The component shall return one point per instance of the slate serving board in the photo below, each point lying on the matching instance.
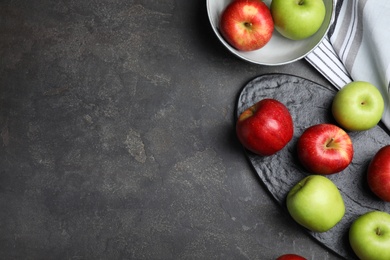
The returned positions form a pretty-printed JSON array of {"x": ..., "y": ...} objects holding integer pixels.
[{"x": 309, "y": 104}]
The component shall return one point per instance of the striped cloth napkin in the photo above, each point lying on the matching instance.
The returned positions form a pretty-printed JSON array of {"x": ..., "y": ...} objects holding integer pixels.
[{"x": 357, "y": 47}]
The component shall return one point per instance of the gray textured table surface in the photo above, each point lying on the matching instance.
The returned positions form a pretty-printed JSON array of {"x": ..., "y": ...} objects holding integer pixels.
[{"x": 117, "y": 137}]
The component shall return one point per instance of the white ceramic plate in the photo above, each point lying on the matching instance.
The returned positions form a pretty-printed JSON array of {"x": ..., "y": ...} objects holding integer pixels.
[{"x": 279, "y": 50}]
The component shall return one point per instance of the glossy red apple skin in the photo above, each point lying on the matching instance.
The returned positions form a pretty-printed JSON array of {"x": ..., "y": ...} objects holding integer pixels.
[
  {"x": 378, "y": 173},
  {"x": 266, "y": 127},
  {"x": 325, "y": 149},
  {"x": 291, "y": 257},
  {"x": 247, "y": 25}
]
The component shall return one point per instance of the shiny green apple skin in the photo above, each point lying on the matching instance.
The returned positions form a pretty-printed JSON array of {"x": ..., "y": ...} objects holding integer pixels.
[
  {"x": 297, "y": 19},
  {"x": 369, "y": 236},
  {"x": 358, "y": 106},
  {"x": 316, "y": 203}
]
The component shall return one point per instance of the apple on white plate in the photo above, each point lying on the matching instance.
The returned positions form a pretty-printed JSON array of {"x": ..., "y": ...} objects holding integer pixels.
[
  {"x": 358, "y": 106},
  {"x": 279, "y": 50},
  {"x": 325, "y": 149},
  {"x": 369, "y": 236},
  {"x": 246, "y": 24},
  {"x": 316, "y": 203},
  {"x": 298, "y": 19}
]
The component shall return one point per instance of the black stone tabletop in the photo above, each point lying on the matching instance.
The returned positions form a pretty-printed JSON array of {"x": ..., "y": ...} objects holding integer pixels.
[{"x": 117, "y": 137}]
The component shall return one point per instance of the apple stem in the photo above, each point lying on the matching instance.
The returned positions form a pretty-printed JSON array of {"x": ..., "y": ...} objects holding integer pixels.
[
  {"x": 248, "y": 24},
  {"x": 301, "y": 2},
  {"x": 378, "y": 232},
  {"x": 328, "y": 144}
]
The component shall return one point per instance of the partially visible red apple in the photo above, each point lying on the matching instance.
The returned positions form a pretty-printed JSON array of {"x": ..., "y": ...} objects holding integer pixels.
[
  {"x": 378, "y": 173},
  {"x": 266, "y": 127},
  {"x": 325, "y": 149},
  {"x": 247, "y": 25},
  {"x": 290, "y": 257}
]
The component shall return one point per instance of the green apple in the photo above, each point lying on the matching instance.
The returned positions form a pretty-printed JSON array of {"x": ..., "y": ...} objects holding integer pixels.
[
  {"x": 297, "y": 19},
  {"x": 369, "y": 236},
  {"x": 316, "y": 203},
  {"x": 358, "y": 106}
]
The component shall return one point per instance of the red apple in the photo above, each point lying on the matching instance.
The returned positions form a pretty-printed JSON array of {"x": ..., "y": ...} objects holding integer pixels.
[
  {"x": 266, "y": 127},
  {"x": 378, "y": 173},
  {"x": 290, "y": 257},
  {"x": 325, "y": 149},
  {"x": 247, "y": 25}
]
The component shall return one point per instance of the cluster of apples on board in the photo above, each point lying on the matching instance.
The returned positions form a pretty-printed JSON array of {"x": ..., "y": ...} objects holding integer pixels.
[
  {"x": 248, "y": 25},
  {"x": 315, "y": 202}
]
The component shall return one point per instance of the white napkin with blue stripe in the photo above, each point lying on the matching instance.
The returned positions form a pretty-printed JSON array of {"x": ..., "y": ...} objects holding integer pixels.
[{"x": 357, "y": 47}]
